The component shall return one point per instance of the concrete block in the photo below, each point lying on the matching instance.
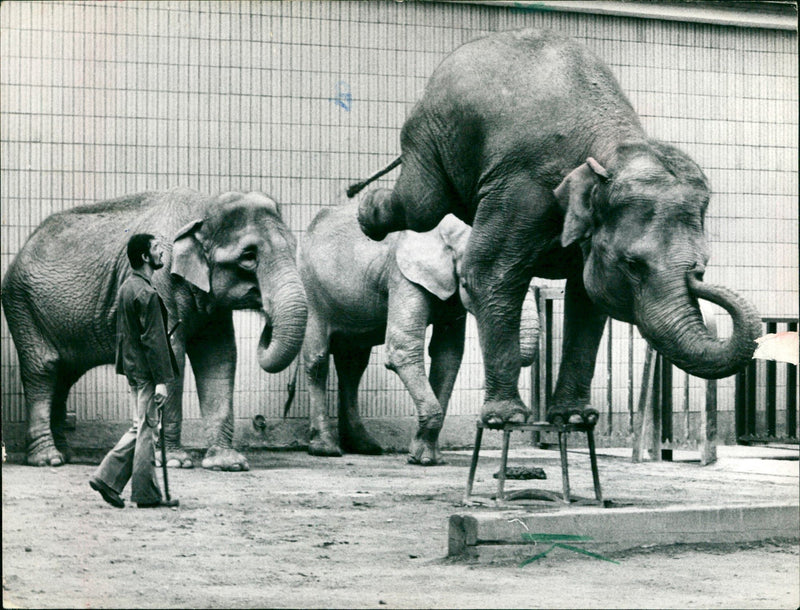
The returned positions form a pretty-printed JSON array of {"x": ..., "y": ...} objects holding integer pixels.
[{"x": 496, "y": 534}]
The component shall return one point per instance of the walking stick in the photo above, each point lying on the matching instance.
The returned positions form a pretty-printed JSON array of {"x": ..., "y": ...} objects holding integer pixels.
[{"x": 163, "y": 459}]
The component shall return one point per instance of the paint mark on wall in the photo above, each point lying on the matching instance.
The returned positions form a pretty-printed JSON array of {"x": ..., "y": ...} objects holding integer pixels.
[{"x": 343, "y": 97}]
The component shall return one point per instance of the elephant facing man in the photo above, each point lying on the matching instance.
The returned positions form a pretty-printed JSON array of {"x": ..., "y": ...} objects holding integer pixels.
[{"x": 228, "y": 252}]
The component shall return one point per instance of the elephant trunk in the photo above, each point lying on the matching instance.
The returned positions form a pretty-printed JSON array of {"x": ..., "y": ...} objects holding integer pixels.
[
  {"x": 286, "y": 312},
  {"x": 672, "y": 323}
]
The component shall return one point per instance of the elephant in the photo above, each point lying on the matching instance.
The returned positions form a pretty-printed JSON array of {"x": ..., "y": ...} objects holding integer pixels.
[
  {"x": 527, "y": 136},
  {"x": 231, "y": 251},
  {"x": 363, "y": 293}
]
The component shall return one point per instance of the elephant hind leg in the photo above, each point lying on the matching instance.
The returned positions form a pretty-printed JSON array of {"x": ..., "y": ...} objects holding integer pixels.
[
  {"x": 351, "y": 361},
  {"x": 66, "y": 377},
  {"x": 39, "y": 369},
  {"x": 420, "y": 199}
]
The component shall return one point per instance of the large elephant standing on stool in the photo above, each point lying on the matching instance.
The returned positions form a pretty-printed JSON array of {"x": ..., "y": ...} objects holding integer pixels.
[
  {"x": 526, "y": 136},
  {"x": 362, "y": 293},
  {"x": 229, "y": 252}
]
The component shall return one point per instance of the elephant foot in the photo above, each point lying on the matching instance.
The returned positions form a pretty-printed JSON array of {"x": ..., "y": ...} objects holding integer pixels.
[
  {"x": 176, "y": 458},
  {"x": 225, "y": 459},
  {"x": 497, "y": 413},
  {"x": 46, "y": 455},
  {"x": 66, "y": 452},
  {"x": 359, "y": 441},
  {"x": 573, "y": 415},
  {"x": 424, "y": 452},
  {"x": 322, "y": 444}
]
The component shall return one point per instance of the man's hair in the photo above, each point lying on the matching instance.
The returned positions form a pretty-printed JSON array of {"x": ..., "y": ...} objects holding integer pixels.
[{"x": 138, "y": 245}]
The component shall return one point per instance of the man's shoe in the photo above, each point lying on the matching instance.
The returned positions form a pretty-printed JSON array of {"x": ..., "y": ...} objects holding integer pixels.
[
  {"x": 109, "y": 495},
  {"x": 159, "y": 504}
]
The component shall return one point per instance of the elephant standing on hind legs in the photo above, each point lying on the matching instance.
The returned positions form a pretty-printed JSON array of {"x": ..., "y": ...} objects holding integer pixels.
[
  {"x": 362, "y": 293},
  {"x": 527, "y": 136},
  {"x": 229, "y": 252}
]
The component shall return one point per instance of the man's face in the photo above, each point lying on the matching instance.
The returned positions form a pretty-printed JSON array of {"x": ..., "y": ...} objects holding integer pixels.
[{"x": 155, "y": 257}]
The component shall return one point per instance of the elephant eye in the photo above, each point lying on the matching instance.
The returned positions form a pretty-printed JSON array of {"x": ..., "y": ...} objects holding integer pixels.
[
  {"x": 636, "y": 266},
  {"x": 248, "y": 259}
]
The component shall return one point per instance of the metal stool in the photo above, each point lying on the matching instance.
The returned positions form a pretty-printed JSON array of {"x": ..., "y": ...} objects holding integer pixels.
[{"x": 563, "y": 431}]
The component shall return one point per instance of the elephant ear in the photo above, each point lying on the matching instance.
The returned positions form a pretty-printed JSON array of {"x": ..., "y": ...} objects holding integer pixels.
[
  {"x": 425, "y": 259},
  {"x": 188, "y": 258},
  {"x": 574, "y": 196},
  {"x": 455, "y": 234}
]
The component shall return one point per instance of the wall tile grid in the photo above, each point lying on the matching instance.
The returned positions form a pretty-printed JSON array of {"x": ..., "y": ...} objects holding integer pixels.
[{"x": 299, "y": 99}]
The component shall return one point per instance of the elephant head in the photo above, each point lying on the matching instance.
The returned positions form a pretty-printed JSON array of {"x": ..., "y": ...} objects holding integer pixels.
[
  {"x": 640, "y": 225},
  {"x": 243, "y": 255},
  {"x": 434, "y": 261}
]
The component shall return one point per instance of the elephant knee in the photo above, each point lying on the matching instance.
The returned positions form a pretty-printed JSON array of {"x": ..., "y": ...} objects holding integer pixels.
[
  {"x": 398, "y": 355},
  {"x": 316, "y": 366}
]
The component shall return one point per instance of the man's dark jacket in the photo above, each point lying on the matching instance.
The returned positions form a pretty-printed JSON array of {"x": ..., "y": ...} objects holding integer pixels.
[{"x": 144, "y": 354}]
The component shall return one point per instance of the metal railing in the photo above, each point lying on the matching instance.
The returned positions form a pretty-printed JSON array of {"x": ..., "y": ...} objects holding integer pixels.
[
  {"x": 750, "y": 393},
  {"x": 651, "y": 417}
]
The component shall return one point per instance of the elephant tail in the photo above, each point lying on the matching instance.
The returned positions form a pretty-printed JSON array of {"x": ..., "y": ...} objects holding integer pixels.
[
  {"x": 292, "y": 386},
  {"x": 356, "y": 188}
]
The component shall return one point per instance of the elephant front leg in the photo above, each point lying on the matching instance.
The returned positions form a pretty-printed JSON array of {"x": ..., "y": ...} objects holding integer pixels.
[
  {"x": 172, "y": 421},
  {"x": 172, "y": 412},
  {"x": 405, "y": 349},
  {"x": 316, "y": 363},
  {"x": 583, "y": 329},
  {"x": 213, "y": 357},
  {"x": 497, "y": 303},
  {"x": 446, "y": 350},
  {"x": 497, "y": 269}
]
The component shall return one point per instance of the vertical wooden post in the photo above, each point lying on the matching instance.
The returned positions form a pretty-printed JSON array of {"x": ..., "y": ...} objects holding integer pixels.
[
  {"x": 771, "y": 382},
  {"x": 658, "y": 377},
  {"x": 643, "y": 413},
  {"x": 791, "y": 394},
  {"x": 708, "y": 425},
  {"x": 666, "y": 401},
  {"x": 610, "y": 379},
  {"x": 630, "y": 377},
  {"x": 708, "y": 415},
  {"x": 750, "y": 401}
]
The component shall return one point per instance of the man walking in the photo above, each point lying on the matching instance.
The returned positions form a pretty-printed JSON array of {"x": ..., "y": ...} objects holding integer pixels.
[{"x": 145, "y": 357}]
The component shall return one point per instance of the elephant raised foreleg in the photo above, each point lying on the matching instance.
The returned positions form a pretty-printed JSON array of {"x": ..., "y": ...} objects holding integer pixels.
[
  {"x": 212, "y": 352},
  {"x": 446, "y": 350},
  {"x": 409, "y": 306}
]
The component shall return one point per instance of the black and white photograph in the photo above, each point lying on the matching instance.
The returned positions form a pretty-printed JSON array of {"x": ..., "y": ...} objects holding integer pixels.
[{"x": 400, "y": 303}]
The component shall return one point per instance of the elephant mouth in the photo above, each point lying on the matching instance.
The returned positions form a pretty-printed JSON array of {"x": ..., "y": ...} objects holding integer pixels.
[{"x": 252, "y": 298}]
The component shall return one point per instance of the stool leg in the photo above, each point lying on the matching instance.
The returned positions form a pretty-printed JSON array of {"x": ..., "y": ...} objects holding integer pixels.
[
  {"x": 562, "y": 445},
  {"x": 598, "y": 494},
  {"x": 501, "y": 476},
  {"x": 474, "y": 464}
]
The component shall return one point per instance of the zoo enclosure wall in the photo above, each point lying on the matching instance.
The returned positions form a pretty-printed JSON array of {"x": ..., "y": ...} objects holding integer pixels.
[{"x": 299, "y": 99}]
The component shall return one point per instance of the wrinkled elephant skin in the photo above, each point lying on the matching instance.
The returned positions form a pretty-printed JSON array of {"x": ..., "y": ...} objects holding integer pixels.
[
  {"x": 224, "y": 253},
  {"x": 527, "y": 136},
  {"x": 363, "y": 293}
]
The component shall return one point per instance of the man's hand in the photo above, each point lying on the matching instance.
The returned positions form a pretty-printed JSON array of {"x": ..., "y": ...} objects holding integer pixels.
[{"x": 160, "y": 393}]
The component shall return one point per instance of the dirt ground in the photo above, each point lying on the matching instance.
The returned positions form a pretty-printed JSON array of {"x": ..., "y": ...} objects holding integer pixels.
[{"x": 357, "y": 531}]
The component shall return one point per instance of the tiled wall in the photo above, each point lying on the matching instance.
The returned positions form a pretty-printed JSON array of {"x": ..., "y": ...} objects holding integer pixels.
[{"x": 298, "y": 99}]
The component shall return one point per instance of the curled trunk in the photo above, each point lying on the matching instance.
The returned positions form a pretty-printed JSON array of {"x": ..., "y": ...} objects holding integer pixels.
[
  {"x": 671, "y": 321},
  {"x": 284, "y": 303}
]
